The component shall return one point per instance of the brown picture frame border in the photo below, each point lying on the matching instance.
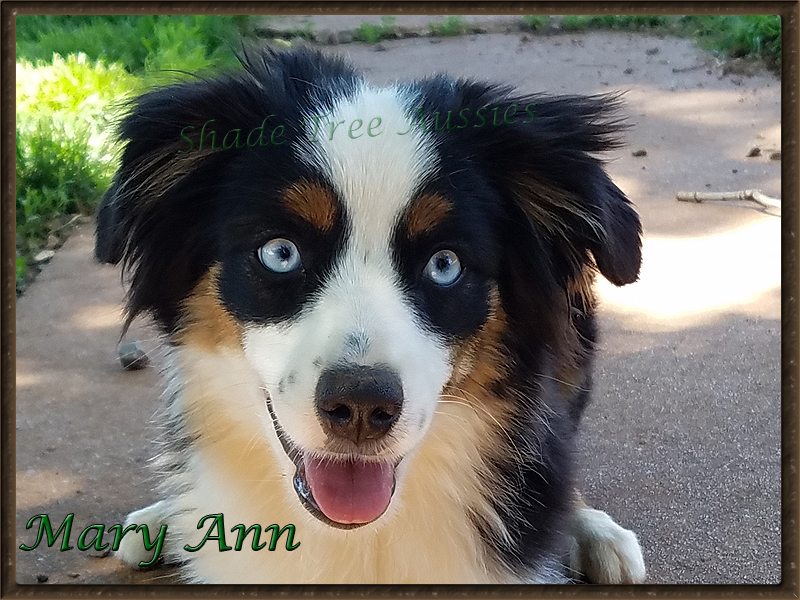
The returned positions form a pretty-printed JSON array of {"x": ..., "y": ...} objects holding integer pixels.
[{"x": 789, "y": 11}]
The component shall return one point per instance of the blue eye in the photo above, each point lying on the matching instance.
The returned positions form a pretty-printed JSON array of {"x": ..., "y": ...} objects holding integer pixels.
[
  {"x": 280, "y": 256},
  {"x": 443, "y": 268}
]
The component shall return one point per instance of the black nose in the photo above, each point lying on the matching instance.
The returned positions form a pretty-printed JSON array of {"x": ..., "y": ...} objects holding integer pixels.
[{"x": 359, "y": 403}]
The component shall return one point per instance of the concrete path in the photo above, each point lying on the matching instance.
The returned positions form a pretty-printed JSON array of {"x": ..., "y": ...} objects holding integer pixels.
[
  {"x": 682, "y": 443},
  {"x": 332, "y": 29}
]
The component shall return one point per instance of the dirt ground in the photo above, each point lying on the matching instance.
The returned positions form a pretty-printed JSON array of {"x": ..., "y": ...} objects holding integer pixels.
[{"x": 682, "y": 442}]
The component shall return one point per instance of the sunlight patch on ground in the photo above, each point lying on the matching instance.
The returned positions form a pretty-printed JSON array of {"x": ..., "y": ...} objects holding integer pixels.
[
  {"x": 691, "y": 106},
  {"x": 39, "y": 488},
  {"x": 98, "y": 316},
  {"x": 700, "y": 276},
  {"x": 27, "y": 379}
]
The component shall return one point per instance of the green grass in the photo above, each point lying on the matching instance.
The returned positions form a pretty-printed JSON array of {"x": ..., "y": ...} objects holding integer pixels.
[
  {"x": 138, "y": 43},
  {"x": 752, "y": 36},
  {"x": 373, "y": 33},
  {"x": 535, "y": 22},
  {"x": 623, "y": 22},
  {"x": 65, "y": 155},
  {"x": 452, "y": 25},
  {"x": 67, "y": 107},
  {"x": 728, "y": 36},
  {"x": 22, "y": 270}
]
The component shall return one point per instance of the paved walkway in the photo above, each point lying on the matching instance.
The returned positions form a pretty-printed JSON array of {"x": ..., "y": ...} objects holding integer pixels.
[{"x": 403, "y": 22}]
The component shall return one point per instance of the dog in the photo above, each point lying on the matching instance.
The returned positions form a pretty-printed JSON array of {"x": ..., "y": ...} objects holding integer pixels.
[{"x": 378, "y": 309}]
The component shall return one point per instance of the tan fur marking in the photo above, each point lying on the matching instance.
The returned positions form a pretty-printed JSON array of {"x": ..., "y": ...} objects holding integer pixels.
[
  {"x": 479, "y": 360},
  {"x": 311, "y": 203},
  {"x": 156, "y": 173},
  {"x": 581, "y": 290},
  {"x": 545, "y": 204},
  {"x": 552, "y": 209},
  {"x": 205, "y": 323},
  {"x": 426, "y": 213},
  {"x": 472, "y": 405}
]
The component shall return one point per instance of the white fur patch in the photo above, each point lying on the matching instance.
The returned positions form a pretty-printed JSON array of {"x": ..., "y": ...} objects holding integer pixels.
[
  {"x": 603, "y": 551},
  {"x": 131, "y": 548},
  {"x": 375, "y": 178},
  {"x": 236, "y": 467}
]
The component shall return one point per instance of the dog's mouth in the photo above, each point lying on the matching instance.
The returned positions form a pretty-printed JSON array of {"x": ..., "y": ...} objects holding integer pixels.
[
  {"x": 348, "y": 493},
  {"x": 345, "y": 493}
]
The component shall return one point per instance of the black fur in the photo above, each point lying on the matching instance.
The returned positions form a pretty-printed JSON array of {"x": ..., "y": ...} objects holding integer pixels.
[{"x": 168, "y": 242}]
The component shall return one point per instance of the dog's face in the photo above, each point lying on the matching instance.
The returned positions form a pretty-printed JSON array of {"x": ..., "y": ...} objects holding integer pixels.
[{"x": 361, "y": 255}]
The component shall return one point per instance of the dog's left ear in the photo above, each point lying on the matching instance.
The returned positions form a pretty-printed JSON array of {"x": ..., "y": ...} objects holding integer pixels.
[
  {"x": 615, "y": 241},
  {"x": 546, "y": 163},
  {"x": 562, "y": 187},
  {"x": 109, "y": 239}
]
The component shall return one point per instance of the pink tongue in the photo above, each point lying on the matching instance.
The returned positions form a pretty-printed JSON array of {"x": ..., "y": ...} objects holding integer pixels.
[{"x": 350, "y": 492}]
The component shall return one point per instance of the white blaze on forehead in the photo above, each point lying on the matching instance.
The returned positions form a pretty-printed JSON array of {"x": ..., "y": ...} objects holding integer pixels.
[{"x": 375, "y": 176}]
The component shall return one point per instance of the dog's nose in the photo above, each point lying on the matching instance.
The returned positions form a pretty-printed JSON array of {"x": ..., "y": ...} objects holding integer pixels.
[{"x": 359, "y": 403}]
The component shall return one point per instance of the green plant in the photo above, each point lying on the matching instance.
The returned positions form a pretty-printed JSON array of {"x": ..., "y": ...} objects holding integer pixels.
[
  {"x": 375, "y": 32},
  {"x": 535, "y": 22},
  {"x": 67, "y": 107},
  {"x": 574, "y": 22},
  {"x": 616, "y": 22},
  {"x": 452, "y": 25},
  {"x": 626, "y": 22},
  {"x": 367, "y": 32},
  {"x": 65, "y": 155},
  {"x": 757, "y": 36},
  {"x": 22, "y": 270},
  {"x": 139, "y": 43}
]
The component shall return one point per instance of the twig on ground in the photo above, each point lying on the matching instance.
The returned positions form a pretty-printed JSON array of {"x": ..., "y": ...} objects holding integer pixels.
[
  {"x": 756, "y": 196},
  {"x": 67, "y": 224},
  {"x": 687, "y": 69}
]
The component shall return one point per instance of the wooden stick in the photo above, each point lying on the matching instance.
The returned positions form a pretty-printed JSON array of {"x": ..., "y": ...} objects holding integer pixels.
[
  {"x": 687, "y": 69},
  {"x": 756, "y": 196},
  {"x": 67, "y": 224}
]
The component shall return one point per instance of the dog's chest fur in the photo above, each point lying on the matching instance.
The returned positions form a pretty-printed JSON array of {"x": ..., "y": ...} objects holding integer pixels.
[{"x": 234, "y": 469}]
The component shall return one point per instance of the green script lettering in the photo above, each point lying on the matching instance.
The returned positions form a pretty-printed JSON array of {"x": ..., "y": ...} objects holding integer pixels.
[
  {"x": 119, "y": 534},
  {"x": 44, "y": 527},
  {"x": 158, "y": 543},
  {"x": 276, "y": 534},
  {"x": 98, "y": 538},
  {"x": 220, "y": 537},
  {"x": 242, "y": 534}
]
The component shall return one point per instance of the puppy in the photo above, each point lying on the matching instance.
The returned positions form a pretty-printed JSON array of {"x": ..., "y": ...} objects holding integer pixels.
[{"x": 378, "y": 308}]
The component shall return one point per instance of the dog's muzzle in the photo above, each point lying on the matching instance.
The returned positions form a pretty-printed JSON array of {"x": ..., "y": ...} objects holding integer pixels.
[{"x": 357, "y": 406}]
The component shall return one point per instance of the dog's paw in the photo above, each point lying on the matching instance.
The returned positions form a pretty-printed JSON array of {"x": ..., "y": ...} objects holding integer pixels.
[
  {"x": 603, "y": 551},
  {"x": 131, "y": 549}
]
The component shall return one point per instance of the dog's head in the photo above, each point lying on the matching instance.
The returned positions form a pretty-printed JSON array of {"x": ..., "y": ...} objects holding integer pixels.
[{"x": 360, "y": 245}]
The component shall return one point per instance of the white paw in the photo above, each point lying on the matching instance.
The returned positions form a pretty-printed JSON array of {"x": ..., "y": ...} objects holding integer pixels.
[
  {"x": 604, "y": 552},
  {"x": 131, "y": 549}
]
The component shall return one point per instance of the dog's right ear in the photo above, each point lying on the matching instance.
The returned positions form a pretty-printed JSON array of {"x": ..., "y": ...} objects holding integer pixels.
[
  {"x": 156, "y": 218},
  {"x": 160, "y": 219},
  {"x": 109, "y": 238}
]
